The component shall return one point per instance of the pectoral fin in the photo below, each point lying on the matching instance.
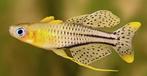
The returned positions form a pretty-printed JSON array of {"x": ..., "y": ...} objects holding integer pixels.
[{"x": 63, "y": 54}]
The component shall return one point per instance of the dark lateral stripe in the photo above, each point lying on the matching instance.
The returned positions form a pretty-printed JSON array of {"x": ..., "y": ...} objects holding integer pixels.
[
  {"x": 94, "y": 36},
  {"x": 100, "y": 36},
  {"x": 90, "y": 34},
  {"x": 76, "y": 45},
  {"x": 97, "y": 35}
]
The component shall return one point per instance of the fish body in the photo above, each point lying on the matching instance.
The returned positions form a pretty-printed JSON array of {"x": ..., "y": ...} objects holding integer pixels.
[
  {"x": 52, "y": 36},
  {"x": 81, "y": 36}
]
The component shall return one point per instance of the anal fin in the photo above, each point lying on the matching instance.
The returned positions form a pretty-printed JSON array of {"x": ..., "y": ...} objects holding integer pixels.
[
  {"x": 62, "y": 53},
  {"x": 90, "y": 53}
]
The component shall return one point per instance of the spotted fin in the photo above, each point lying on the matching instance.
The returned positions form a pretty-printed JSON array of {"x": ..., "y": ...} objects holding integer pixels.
[
  {"x": 102, "y": 18},
  {"x": 124, "y": 44},
  {"x": 77, "y": 19},
  {"x": 51, "y": 20},
  {"x": 98, "y": 19},
  {"x": 63, "y": 54},
  {"x": 87, "y": 54},
  {"x": 56, "y": 22}
]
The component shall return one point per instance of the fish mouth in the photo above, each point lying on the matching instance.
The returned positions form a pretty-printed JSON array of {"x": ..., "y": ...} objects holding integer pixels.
[{"x": 11, "y": 30}]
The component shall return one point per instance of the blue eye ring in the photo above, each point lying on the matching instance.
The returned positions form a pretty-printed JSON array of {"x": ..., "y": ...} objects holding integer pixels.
[{"x": 20, "y": 32}]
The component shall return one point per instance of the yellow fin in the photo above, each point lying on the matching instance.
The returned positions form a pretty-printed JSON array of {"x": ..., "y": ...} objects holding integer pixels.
[
  {"x": 135, "y": 24},
  {"x": 51, "y": 20},
  {"x": 63, "y": 54},
  {"x": 56, "y": 22},
  {"x": 101, "y": 19},
  {"x": 47, "y": 19},
  {"x": 128, "y": 58},
  {"x": 124, "y": 43}
]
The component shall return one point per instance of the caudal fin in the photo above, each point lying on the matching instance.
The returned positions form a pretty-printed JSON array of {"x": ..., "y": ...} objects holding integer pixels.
[{"x": 124, "y": 44}]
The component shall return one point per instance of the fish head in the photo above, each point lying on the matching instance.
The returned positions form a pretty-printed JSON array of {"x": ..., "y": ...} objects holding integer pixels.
[
  {"x": 35, "y": 34},
  {"x": 21, "y": 32}
]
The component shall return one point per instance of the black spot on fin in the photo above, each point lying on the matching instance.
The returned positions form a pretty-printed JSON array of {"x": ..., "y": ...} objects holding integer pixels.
[
  {"x": 124, "y": 44},
  {"x": 87, "y": 54},
  {"x": 98, "y": 19}
]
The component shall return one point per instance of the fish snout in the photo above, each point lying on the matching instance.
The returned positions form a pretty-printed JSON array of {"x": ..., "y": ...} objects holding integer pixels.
[{"x": 11, "y": 30}]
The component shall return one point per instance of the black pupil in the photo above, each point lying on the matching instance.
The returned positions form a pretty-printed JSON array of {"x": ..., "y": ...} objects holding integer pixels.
[{"x": 20, "y": 31}]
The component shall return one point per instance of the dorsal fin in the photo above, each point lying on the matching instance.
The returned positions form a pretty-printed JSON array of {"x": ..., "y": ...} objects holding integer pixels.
[
  {"x": 87, "y": 54},
  {"x": 48, "y": 19},
  {"x": 56, "y": 22},
  {"x": 51, "y": 20},
  {"x": 98, "y": 19},
  {"x": 77, "y": 19}
]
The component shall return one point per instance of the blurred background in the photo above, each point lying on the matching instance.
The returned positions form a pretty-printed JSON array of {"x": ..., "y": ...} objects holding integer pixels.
[{"x": 20, "y": 59}]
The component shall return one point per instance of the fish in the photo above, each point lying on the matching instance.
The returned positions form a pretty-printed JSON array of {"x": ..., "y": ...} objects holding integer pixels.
[{"x": 81, "y": 36}]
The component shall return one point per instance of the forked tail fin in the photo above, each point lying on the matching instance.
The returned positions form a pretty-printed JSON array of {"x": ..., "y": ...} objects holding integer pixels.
[{"x": 124, "y": 45}]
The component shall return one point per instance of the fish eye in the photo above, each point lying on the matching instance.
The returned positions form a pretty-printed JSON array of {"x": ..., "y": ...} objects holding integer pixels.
[{"x": 20, "y": 32}]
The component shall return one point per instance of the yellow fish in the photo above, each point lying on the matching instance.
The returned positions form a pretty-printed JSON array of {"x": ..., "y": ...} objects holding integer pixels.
[{"x": 80, "y": 36}]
